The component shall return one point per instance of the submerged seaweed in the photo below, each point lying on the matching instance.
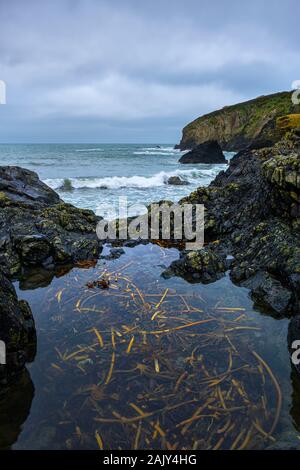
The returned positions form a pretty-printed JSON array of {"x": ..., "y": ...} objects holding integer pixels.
[{"x": 137, "y": 364}]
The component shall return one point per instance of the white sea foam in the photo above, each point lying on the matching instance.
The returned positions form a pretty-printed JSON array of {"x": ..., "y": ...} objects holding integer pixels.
[
  {"x": 154, "y": 152},
  {"x": 164, "y": 149},
  {"x": 89, "y": 150},
  {"x": 159, "y": 179},
  {"x": 157, "y": 151}
]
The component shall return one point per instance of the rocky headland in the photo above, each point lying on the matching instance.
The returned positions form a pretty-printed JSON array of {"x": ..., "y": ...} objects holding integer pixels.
[{"x": 235, "y": 127}]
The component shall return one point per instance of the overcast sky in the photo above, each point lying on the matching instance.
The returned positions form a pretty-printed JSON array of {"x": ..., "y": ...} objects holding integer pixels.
[{"x": 137, "y": 70}]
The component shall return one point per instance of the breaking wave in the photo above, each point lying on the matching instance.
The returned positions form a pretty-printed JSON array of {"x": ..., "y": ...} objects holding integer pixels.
[
  {"x": 89, "y": 150},
  {"x": 157, "y": 151},
  {"x": 116, "y": 182}
]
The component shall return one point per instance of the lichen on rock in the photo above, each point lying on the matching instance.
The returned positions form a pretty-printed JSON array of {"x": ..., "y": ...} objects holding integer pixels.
[
  {"x": 38, "y": 227},
  {"x": 253, "y": 210}
]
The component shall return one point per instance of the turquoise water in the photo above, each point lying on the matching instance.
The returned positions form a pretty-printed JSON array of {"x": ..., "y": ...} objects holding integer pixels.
[{"x": 103, "y": 172}]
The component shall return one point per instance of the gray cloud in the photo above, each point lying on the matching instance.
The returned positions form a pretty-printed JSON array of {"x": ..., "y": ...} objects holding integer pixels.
[{"x": 137, "y": 71}]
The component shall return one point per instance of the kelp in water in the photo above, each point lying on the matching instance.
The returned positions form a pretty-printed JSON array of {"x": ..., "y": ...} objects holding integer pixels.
[{"x": 153, "y": 368}]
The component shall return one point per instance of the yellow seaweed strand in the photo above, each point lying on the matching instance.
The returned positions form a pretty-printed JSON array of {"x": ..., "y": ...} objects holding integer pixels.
[
  {"x": 138, "y": 409},
  {"x": 100, "y": 339},
  {"x": 278, "y": 390},
  {"x": 162, "y": 299},
  {"x": 113, "y": 359},
  {"x": 99, "y": 440},
  {"x": 157, "y": 332},
  {"x": 237, "y": 439},
  {"x": 113, "y": 340},
  {"x": 137, "y": 436},
  {"x": 246, "y": 440},
  {"x": 130, "y": 345}
]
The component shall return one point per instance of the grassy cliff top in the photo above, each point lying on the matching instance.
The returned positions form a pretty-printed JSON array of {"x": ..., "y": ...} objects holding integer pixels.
[{"x": 237, "y": 125}]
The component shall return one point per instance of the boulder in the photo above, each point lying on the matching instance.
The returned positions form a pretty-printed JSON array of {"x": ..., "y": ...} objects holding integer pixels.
[
  {"x": 114, "y": 253},
  {"x": 207, "y": 152},
  {"x": 203, "y": 266},
  {"x": 268, "y": 293},
  {"x": 177, "y": 181},
  {"x": 38, "y": 228}
]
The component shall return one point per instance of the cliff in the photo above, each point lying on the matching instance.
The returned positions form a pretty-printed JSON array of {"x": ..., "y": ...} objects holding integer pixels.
[{"x": 235, "y": 127}]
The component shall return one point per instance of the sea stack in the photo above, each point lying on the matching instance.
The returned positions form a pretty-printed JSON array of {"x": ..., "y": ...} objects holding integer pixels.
[{"x": 207, "y": 152}]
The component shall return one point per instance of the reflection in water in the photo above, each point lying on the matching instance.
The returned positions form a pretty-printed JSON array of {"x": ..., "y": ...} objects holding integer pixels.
[
  {"x": 139, "y": 361},
  {"x": 41, "y": 277},
  {"x": 15, "y": 407},
  {"x": 295, "y": 408}
]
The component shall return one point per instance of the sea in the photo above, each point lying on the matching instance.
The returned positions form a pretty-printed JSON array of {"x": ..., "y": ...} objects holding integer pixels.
[{"x": 97, "y": 174}]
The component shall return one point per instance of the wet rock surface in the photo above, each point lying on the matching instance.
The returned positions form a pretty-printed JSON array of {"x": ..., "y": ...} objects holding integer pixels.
[
  {"x": 207, "y": 152},
  {"x": 268, "y": 293},
  {"x": 37, "y": 230},
  {"x": 114, "y": 253},
  {"x": 15, "y": 409},
  {"x": 17, "y": 331},
  {"x": 205, "y": 266},
  {"x": 252, "y": 211},
  {"x": 37, "y": 227},
  {"x": 177, "y": 181}
]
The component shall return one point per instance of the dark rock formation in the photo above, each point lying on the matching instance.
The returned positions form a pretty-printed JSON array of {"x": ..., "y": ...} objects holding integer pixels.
[
  {"x": 207, "y": 152},
  {"x": 253, "y": 213},
  {"x": 266, "y": 288},
  {"x": 205, "y": 266},
  {"x": 67, "y": 185},
  {"x": 177, "y": 181},
  {"x": 37, "y": 230},
  {"x": 288, "y": 441},
  {"x": 114, "y": 253},
  {"x": 15, "y": 408},
  {"x": 17, "y": 331},
  {"x": 37, "y": 227},
  {"x": 236, "y": 127}
]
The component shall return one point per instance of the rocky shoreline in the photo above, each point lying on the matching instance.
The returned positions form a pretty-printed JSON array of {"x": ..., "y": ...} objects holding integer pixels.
[
  {"x": 252, "y": 223},
  {"x": 37, "y": 230}
]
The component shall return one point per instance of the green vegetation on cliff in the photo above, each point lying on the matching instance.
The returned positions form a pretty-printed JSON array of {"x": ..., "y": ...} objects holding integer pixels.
[{"x": 235, "y": 127}]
